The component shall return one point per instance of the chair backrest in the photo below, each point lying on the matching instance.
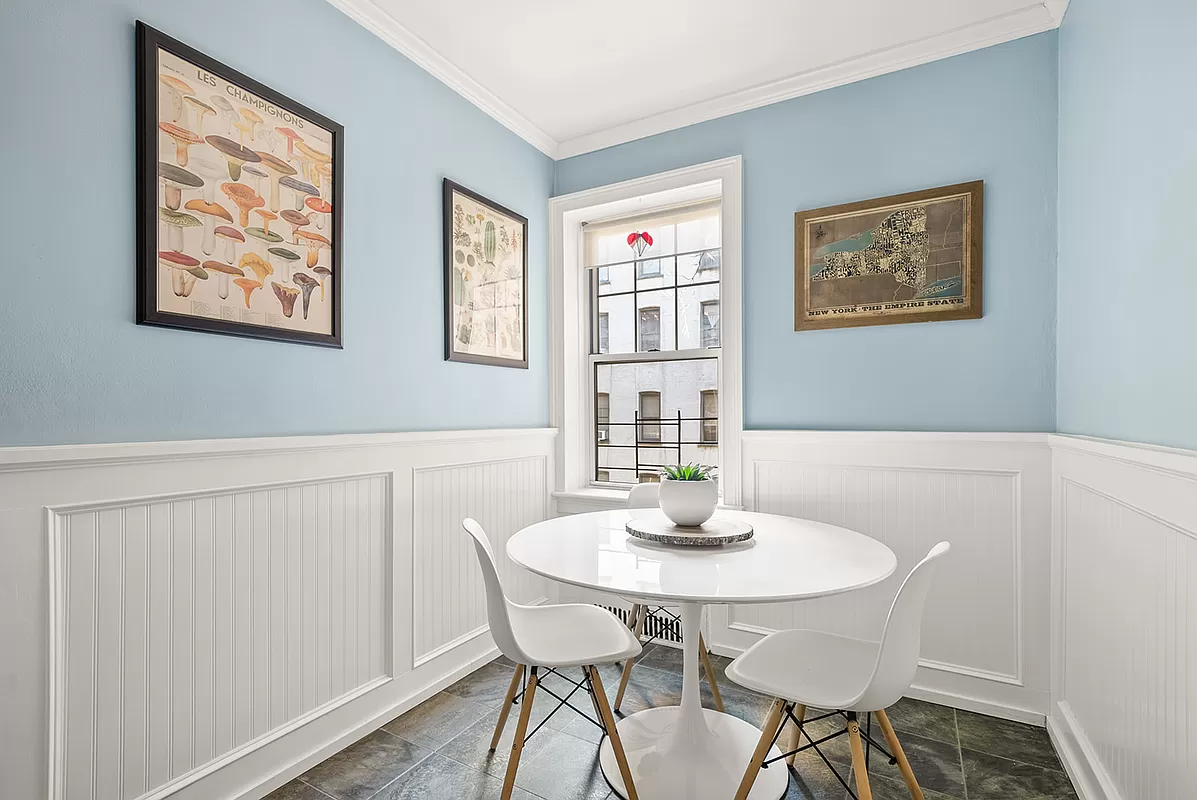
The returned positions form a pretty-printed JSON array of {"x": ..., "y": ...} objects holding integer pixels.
[
  {"x": 898, "y": 657},
  {"x": 498, "y": 614},
  {"x": 645, "y": 495}
]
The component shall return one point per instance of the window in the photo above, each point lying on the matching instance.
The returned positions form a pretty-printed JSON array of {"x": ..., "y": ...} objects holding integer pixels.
[
  {"x": 604, "y": 333},
  {"x": 648, "y": 290},
  {"x": 649, "y": 330},
  {"x": 709, "y": 323},
  {"x": 602, "y": 413},
  {"x": 650, "y": 416},
  {"x": 648, "y": 269},
  {"x": 710, "y": 417},
  {"x": 649, "y": 477}
]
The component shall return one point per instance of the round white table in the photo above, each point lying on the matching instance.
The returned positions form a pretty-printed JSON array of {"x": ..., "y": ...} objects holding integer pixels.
[{"x": 686, "y": 750}]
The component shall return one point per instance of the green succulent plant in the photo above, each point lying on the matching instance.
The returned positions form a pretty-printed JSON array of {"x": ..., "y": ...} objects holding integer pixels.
[{"x": 688, "y": 472}]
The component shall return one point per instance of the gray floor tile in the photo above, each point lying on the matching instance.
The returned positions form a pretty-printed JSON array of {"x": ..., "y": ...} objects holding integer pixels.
[
  {"x": 990, "y": 777},
  {"x": 438, "y": 777},
  {"x": 361, "y": 769},
  {"x": 936, "y": 765},
  {"x": 472, "y": 746},
  {"x": 486, "y": 686},
  {"x": 811, "y": 779},
  {"x": 1001, "y": 737},
  {"x": 437, "y": 720},
  {"x": 923, "y": 718},
  {"x": 296, "y": 790},
  {"x": 567, "y": 768}
]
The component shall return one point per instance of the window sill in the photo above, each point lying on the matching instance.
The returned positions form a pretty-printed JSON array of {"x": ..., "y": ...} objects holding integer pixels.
[{"x": 582, "y": 501}]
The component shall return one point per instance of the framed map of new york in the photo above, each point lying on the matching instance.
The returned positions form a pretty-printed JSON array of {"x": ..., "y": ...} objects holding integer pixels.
[{"x": 912, "y": 257}]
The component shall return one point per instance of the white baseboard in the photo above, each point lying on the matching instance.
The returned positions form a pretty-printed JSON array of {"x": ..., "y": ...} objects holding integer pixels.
[{"x": 1078, "y": 757}]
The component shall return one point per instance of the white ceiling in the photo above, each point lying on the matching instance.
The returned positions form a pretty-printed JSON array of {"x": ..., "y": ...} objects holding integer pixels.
[{"x": 571, "y": 77}]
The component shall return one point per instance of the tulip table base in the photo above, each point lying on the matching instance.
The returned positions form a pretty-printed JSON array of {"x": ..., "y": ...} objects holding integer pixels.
[{"x": 687, "y": 751}]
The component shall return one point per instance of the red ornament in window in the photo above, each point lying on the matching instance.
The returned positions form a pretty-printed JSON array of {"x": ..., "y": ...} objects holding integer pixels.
[{"x": 640, "y": 242}]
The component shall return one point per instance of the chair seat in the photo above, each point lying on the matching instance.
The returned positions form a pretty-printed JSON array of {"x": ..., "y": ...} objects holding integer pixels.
[
  {"x": 808, "y": 667},
  {"x": 572, "y": 635}
]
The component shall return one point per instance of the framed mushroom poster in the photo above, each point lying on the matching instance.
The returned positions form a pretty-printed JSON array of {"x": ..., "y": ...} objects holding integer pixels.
[
  {"x": 486, "y": 281},
  {"x": 238, "y": 193}
]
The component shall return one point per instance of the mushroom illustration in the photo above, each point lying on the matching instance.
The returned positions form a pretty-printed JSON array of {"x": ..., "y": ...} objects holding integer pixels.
[
  {"x": 322, "y": 273},
  {"x": 277, "y": 169},
  {"x": 229, "y": 237},
  {"x": 264, "y": 236},
  {"x": 255, "y": 176},
  {"x": 313, "y": 158},
  {"x": 296, "y": 220},
  {"x": 183, "y": 139},
  {"x": 306, "y": 284},
  {"x": 321, "y": 207},
  {"x": 324, "y": 176},
  {"x": 211, "y": 171},
  {"x": 223, "y": 271},
  {"x": 210, "y": 212},
  {"x": 177, "y": 89},
  {"x": 286, "y": 296},
  {"x": 227, "y": 113},
  {"x": 266, "y": 216},
  {"x": 245, "y": 198},
  {"x": 176, "y": 221},
  {"x": 257, "y": 265},
  {"x": 301, "y": 190},
  {"x": 288, "y": 259},
  {"x": 314, "y": 242},
  {"x": 247, "y": 285},
  {"x": 174, "y": 181},
  {"x": 181, "y": 281},
  {"x": 292, "y": 137},
  {"x": 234, "y": 153},
  {"x": 201, "y": 110},
  {"x": 252, "y": 121}
]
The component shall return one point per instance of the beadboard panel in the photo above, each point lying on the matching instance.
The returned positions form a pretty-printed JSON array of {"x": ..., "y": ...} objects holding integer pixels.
[
  {"x": 450, "y": 599},
  {"x": 1125, "y": 677},
  {"x": 209, "y": 619},
  {"x": 984, "y": 645},
  {"x": 190, "y": 627}
]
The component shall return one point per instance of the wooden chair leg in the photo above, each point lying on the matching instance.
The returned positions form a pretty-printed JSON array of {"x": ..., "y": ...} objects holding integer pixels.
[
  {"x": 627, "y": 665},
  {"x": 600, "y": 699},
  {"x": 506, "y": 709},
  {"x": 895, "y": 747},
  {"x": 706, "y": 665},
  {"x": 863, "y": 791},
  {"x": 768, "y": 731},
  {"x": 796, "y": 739},
  {"x": 521, "y": 730}
]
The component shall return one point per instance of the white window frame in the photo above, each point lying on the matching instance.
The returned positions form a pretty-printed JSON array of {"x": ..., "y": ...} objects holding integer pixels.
[{"x": 571, "y": 402}]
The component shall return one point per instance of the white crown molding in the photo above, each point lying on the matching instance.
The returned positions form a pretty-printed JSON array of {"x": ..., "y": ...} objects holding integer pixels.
[
  {"x": 384, "y": 26},
  {"x": 1025, "y": 22},
  {"x": 1057, "y": 8}
]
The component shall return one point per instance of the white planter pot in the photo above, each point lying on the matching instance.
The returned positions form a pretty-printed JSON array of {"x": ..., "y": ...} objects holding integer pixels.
[{"x": 689, "y": 503}]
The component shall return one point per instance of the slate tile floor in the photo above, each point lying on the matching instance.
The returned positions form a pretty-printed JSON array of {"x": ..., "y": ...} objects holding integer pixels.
[{"x": 439, "y": 749}]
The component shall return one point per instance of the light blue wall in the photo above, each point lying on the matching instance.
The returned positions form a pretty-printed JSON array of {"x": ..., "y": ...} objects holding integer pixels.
[
  {"x": 990, "y": 114},
  {"x": 1128, "y": 204},
  {"x": 73, "y": 365}
]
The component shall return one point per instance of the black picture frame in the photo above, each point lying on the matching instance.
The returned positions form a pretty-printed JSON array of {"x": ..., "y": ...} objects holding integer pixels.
[
  {"x": 149, "y": 42},
  {"x": 451, "y": 188}
]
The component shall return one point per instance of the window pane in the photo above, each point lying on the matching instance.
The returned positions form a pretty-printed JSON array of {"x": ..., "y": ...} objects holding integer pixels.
[
  {"x": 621, "y": 323},
  {"x": 709, "y": 323},
  {"x": 604, "y": 333},
  {"x": 669, "y": 390},
  {"x": 648, "y": 329},
  {"x": 620, "y": 278},
  {"x": 649, "y": 477},
  {"x": 691, "y": 300},
  {"x": 654, "y": 321},
  {"x": 654, "y": 273},
  {"x": 602, "y": 476},
  {"x": 701, "y": 267}
]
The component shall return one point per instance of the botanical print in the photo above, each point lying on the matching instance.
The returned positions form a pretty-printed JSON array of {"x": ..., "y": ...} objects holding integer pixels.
[
  {"x": 486, "y": 283},
  {"x": 885, "y": 261},
  {"x": 244, "y": 207}
]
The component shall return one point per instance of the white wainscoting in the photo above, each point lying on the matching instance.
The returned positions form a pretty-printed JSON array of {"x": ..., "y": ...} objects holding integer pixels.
[
  {"x": 986, "y": 632},
  {"x": 1124, "y": 684},
  {"x": 209, "y": 619}
]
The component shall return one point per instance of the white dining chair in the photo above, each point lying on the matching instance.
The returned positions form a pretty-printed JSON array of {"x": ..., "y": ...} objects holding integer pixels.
[
  {"x": 805, "y": 668},
  {"x": 648, "y": 495},
  {"x": 551, "y": 638}
]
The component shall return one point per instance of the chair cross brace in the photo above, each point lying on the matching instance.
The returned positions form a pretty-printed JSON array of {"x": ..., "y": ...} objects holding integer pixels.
[
  {"x": 814, "y": 743},
  {"x": 561, "y": 701}
]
